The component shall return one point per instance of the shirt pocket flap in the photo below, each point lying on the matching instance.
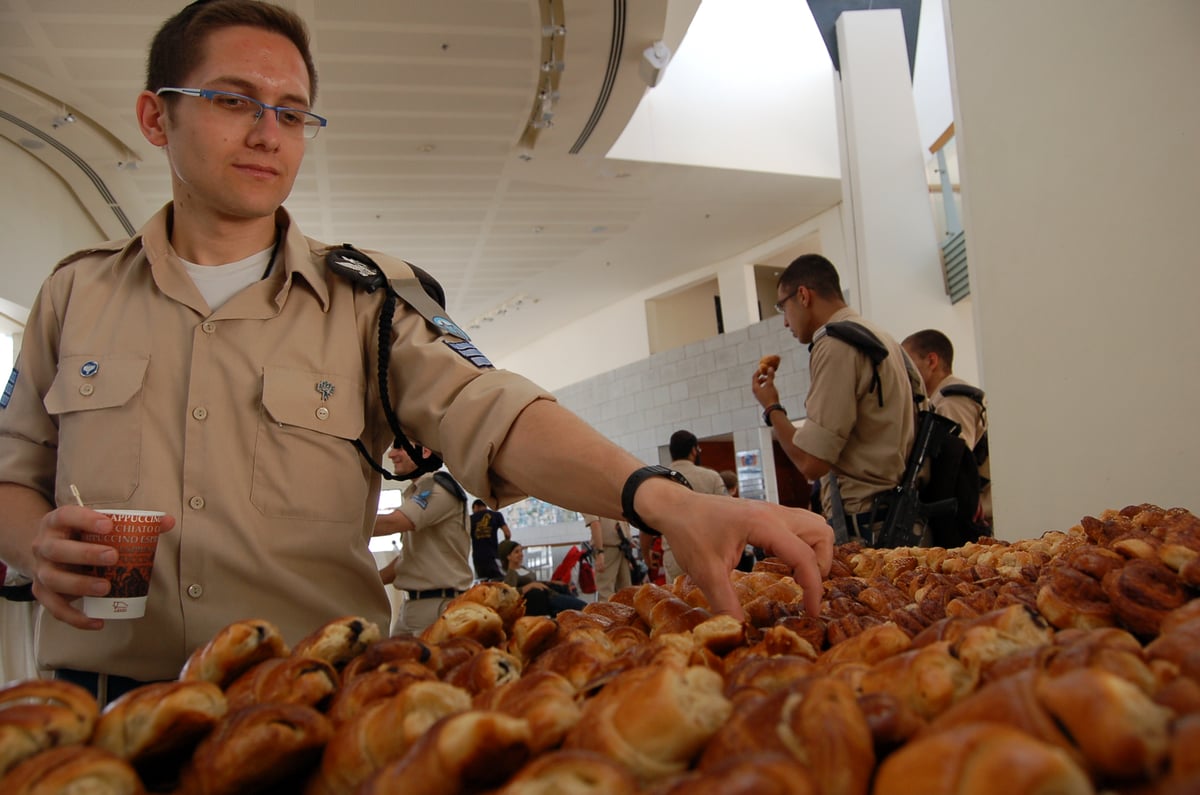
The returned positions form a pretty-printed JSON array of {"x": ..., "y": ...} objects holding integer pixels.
[
  {"x": 326, "y": 403},
  {"x": 90, "y": 382}
]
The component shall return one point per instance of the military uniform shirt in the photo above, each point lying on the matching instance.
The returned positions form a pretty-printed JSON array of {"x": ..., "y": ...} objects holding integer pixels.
[
  {"x": 865, "y": 445},
  {"x": 435, "y": 552},
  {"x": 239, "y": 423}
]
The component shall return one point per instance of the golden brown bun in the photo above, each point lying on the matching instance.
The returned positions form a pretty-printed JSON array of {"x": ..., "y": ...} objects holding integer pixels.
[
  {"x": 579, "y": 660},
  {"x": 617, "y": 614},
  {"x": 768, "y": 362},
  {"x": 462, "y": 753},
  {"x": 762, "y": 675},
  {"x": 571, "y": 773},
  {"x": 1143, "y": 593},
  {"x": 653, "y": 720},
  {"x": 501, "y": 597},
  {"x": 388, "y": 651},
  {"x": 980, "y": 759},
  {"x": 756, "y": 773},
  {"x": 546, "y": 700},
  {"x": 869, "y": 646},
  {"x": 383, "y": 682},
  {"x": 160, "y": 721},
  {"x": 927, "y": 680},
  {"x": 451, "y": 653},
  {"x": 818, "y": 722},
  {"x": 530, "y": 636},
  {"x": 488, "y": 669},
  {"x": 285, "y": 680},
  {"x": 233, "y": 651},
  {"x": 467, "y": 620},
  {"x": 891, "y": 721},
  {"x": 1120, "y": 730},
  {"x": 41, "y": 713},
  {"x": 339, "y": 641},
  {"x": 72, "y": 770},
  {"x": 381, "y": 733},
  {"x": 259, "y": 747}
]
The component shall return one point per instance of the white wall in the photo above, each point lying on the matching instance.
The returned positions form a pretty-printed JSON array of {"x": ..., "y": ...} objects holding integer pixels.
[
  {"x": 757, "y": 74},
  {"x": 1076, "y": 125},
  {"x": 41, "y": 221}
]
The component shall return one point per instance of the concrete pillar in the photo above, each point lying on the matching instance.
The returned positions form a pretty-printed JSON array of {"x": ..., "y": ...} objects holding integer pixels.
[
  {"x": 1076, "y": 123},
  {"x": 890, "y": 238},
  {"x": 739, "y": 299}
]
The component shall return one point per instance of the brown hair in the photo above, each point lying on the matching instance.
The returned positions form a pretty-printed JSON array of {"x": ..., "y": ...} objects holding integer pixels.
[
  {"x": 932, "y": 341},
  {"x": 179, "y": 44}
]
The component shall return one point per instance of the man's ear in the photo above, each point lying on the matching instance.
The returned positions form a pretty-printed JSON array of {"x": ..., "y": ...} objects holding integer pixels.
[{"x": 152, "y": 117}]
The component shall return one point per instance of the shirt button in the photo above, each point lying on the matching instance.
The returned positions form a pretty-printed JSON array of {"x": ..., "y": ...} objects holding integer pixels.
[
  {"x": 208, "y": 327},
  {"x": 322, "y": 413},
  {"x": 200, "y": 412},
  {"x": 195, "y": 590},
  {"x": 87, "y": 389},
  {"x": 196, "y": 502}
]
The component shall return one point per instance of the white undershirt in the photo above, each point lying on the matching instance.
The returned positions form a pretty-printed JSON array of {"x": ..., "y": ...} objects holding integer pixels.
[{"x": 219, "y": 283}]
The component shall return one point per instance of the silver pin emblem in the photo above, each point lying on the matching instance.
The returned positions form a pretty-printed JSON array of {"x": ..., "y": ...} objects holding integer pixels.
[
  {"x": 89, "y": 369},
  {"x": 326, "y": 389}
]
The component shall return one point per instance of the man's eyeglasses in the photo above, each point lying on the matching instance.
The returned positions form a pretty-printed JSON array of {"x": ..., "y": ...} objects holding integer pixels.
[
  {"x": 292, "y": 121},
  {"x": 782, "y": 301}
]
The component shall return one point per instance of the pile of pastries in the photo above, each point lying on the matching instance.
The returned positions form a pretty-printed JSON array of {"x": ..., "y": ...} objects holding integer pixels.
[{"x": 1064, "y": 664}]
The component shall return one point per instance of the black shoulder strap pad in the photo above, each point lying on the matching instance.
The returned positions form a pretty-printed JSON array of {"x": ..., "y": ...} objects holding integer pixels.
[
  {"x": 860, "y": 337},
  {"x": 963, "y": 390},
  {"x": 450, "y": 484},
  {"x": 864, "y": 340}
]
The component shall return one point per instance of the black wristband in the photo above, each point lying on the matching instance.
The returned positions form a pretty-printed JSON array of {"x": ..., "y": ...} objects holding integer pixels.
[
  {"x": 767, "y": 413},
  {"x": 630, "y": 490}
]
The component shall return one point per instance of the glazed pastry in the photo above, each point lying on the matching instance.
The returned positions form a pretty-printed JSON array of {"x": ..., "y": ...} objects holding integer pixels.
[
  {"x": 1142, "y": 593},
  {"x": 339, "y": 641},
  {"x": 488, "y": 669},
  {"x": 501, "y": 597},
  {"x": 396, "y": 649},
  {"x": 756, "y": 773},
  {"x": 383, "y": 682},
  {"x": 571, "y": 773},
  {"x": 156, "y": 727},
  {"x": 73, "y": 769},
  {"x": 258, "y": 748},
  {"x": 233, "y": 651},
  {"x": 981, "y": 759},
  {"x": 381, "y": 733},
  {"x": 41, "y": 713},
  {"x": 653, "y": 720},
  {"x": 462, "y": 753},
  {"x": 544, "y": 699},
  {"x": 467, "y": 620},
  {"x": 285, "y": 680}
]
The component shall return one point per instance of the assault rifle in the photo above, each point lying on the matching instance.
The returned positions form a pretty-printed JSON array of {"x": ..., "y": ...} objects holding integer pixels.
[{"x": 904, "y": 506}]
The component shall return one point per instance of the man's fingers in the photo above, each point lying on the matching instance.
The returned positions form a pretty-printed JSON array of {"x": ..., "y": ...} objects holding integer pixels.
[{"x": 720, "y": 594}]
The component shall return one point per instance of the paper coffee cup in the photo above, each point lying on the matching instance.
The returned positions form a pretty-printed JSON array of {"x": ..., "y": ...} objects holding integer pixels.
[{"x": 135, "y": 537}]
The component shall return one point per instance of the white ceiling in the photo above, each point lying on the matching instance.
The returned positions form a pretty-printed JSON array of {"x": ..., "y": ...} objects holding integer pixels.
[{"x": 428, "y": 154}]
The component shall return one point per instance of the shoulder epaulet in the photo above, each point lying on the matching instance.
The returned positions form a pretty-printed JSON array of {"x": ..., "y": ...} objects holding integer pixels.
[
  {"x": 451, "y": 485},
  {"x": 861, "y": 338},
  {"x": 411, "y": 284},
  {"x": 963, "y": 390},
  {"x": 107, "y": 248}
]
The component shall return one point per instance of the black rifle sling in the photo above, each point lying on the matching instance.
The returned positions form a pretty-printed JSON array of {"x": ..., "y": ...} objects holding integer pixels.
[
  {"x": 863, "y": 339},
  {"x": 974, "y": 393}
]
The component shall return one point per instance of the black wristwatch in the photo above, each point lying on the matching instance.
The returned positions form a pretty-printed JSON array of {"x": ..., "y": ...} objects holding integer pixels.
[
  {"x": 769, "y": 409},
  {"x": 630, "y": 490}
]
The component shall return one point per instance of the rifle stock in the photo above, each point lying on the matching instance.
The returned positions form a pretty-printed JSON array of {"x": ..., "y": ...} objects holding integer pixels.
[{"x": 904, "y": 507}]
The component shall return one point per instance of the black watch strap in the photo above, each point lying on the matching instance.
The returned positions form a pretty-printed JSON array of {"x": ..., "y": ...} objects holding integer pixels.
[
  {"x": 629, "y": 491},
  {"x": 769, "y": 409}
]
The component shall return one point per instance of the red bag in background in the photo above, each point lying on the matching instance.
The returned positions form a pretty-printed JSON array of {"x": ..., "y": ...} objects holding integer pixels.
[{"x": 587, "y": 577}]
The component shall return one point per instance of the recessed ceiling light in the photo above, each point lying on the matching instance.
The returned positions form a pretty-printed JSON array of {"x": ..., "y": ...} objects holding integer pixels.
[
  {"x": 598, "y": 229},
  {"x": 426, "y": 148},
  {"x": 31, "y": 143},
  {"x": 537, "y": 230}
]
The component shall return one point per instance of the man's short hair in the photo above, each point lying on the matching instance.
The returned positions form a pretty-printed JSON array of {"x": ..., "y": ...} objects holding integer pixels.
[
  {"x": 478, "y": 504},
  {"x": 682, "y": 444},
  {"x": 178, "y": 47},
  {"x": 814, "y": 272},
  {"x": 932, "y": 341}
]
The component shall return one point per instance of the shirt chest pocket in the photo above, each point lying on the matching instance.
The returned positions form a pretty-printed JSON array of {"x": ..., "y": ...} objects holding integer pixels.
[
  {"x": 305, "y": 465},
  {"x": 97, "y": 402}
]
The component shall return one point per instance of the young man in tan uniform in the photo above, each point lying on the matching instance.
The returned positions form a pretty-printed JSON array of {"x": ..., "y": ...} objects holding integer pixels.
[
  {"x": 685, "y": 457},
  {"x": 222, "y": 367},
  {"x": 858, "y": 430},
  {"x": 933, "y": 355},
  {"x": 612, "y": 567},
  {"x": 432, "y": 567}
]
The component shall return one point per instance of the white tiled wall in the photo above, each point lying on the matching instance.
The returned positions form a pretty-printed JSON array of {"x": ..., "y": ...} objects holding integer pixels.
[{"x": 703, "y": 387}]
